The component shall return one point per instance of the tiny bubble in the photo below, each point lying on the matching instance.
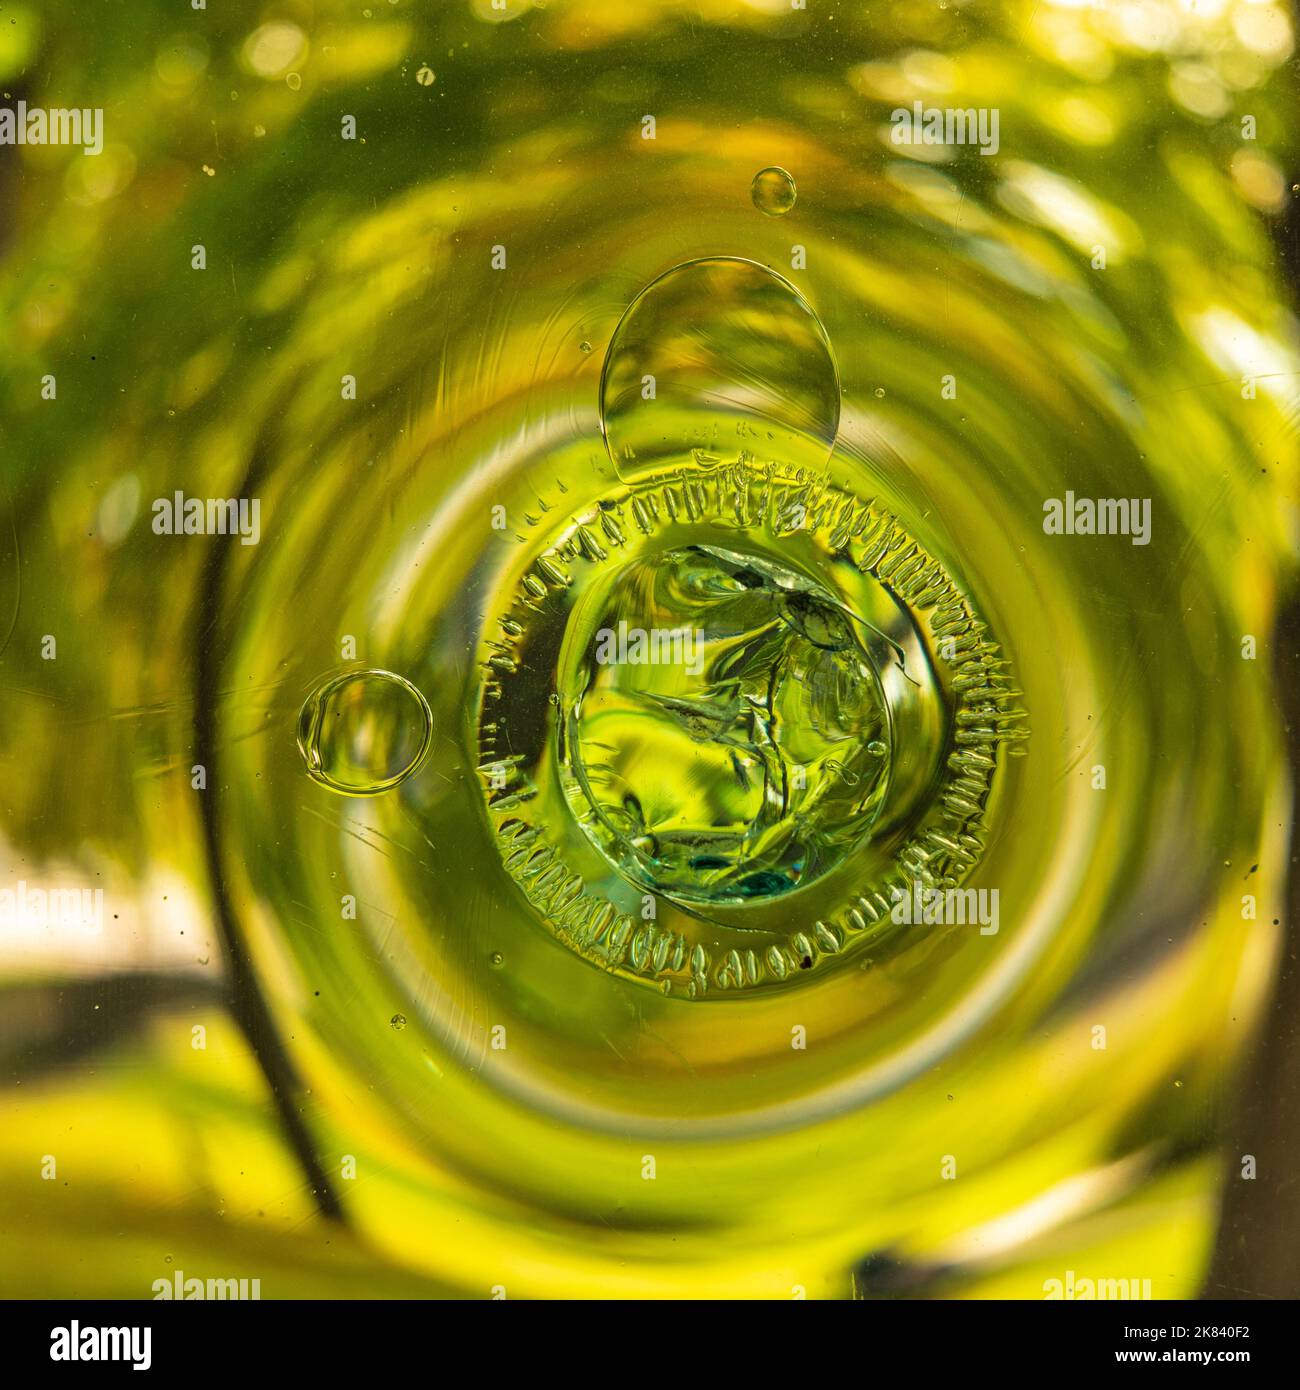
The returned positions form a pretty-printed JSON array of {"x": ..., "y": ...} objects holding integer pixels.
[{"x": 398, "y": 1022}]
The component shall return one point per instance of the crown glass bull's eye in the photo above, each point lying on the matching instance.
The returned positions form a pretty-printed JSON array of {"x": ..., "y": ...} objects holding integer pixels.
[{"x": 727, "y": 719}]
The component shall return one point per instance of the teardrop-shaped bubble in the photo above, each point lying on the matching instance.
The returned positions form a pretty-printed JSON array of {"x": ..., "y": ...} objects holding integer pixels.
[
  {"x": 720, "y": 354},
  {"x": 363, "y": 732}
]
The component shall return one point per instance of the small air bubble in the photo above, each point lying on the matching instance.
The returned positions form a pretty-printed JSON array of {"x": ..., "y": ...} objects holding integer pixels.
[
  {"x": 397, "y": 1022},
  {"x": 773, "y": 191},
  {"x": 363, "y": 732},
  {"x": 761, "y": 365}
]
